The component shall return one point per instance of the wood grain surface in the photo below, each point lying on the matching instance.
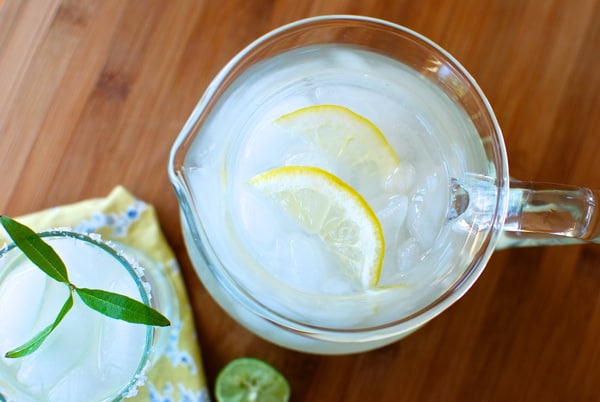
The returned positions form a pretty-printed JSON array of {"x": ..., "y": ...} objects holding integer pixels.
[{"x": 93, "y": 94}]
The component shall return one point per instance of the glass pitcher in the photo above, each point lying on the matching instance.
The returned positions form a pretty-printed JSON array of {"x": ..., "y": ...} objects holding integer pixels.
[{"x": 451, "y": 193}]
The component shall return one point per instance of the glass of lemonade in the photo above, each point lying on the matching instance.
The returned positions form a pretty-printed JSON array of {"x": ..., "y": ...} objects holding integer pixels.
[
  {"x": 88, "y": 357},
  {"x": 342, "y": 181}
]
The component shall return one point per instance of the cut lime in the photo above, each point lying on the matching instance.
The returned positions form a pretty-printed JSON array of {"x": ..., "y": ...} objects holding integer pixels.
[
  {"x": 248, "y": 379},
  {"x": 324, "y": 205}
]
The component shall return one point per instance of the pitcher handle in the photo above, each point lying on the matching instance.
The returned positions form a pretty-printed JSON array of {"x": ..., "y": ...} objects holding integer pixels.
[{"x": 541, "y": 214}]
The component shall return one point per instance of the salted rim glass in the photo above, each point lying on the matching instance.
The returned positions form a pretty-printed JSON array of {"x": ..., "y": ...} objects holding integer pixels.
[
  {"x": 11, "y": 252},
  {"x": 421, "y": 54}
]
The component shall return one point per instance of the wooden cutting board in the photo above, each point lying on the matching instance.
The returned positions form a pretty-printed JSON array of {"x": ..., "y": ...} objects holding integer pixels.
[{"x": 93, "y": 94}]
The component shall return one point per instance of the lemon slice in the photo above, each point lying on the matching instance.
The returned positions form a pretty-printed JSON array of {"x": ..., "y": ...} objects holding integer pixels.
[
  {"x": 328, "y": 207},
  {"x": 338, "y": 131}
]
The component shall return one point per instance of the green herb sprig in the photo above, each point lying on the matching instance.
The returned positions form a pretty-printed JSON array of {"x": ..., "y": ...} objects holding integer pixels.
[{"x": 113, "y": 305}]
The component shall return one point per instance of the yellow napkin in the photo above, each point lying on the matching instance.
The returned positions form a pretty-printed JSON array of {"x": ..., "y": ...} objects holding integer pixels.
[{"x": 178, "y": 374}]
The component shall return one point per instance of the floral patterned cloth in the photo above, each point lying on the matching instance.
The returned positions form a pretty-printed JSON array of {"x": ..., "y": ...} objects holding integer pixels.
[{"x": 177, "y": 374}]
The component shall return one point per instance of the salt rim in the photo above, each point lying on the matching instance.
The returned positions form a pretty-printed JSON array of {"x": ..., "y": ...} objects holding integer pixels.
[
  {"x": 140, "y": 380},
  {"x": 132, "y": 387}
]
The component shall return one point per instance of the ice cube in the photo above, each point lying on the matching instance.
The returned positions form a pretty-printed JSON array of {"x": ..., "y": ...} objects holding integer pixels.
[
  {"x": 392, "y": 214},
  {"x": 402, "y": 179},
  {"x": 408, "y": 255},
  {"x": 21, "y": 295},
  {"x": 303, "y": 261},
  {"x": 63, "y": 350},
  {"x": 316, "y": 159},
  {"x": 427, "y": 209},
  {"x": 256, "y": 215},
  {"x": 79, "y": 384},
  {"x": 120, "y": 348}
]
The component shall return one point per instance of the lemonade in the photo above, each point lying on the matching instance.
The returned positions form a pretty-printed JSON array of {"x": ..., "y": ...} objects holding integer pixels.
[
  {"x": 88, "y": 357},
  {"x": 319, "y": 129}
]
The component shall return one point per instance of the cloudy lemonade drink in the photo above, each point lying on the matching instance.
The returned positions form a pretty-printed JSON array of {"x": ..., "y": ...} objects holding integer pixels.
[
  {"x": 322, "y": 178},
  {"x": 88, "y": 357}
]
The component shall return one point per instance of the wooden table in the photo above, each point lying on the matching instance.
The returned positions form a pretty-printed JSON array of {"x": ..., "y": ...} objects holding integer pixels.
[{"x": 93, "y": 93}]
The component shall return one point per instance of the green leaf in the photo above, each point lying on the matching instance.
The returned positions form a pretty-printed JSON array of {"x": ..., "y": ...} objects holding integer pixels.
[
  {"x": 36, "y": 249},
  {"x": 34, "y": 343},
  {"x": 121, "y": 307}
]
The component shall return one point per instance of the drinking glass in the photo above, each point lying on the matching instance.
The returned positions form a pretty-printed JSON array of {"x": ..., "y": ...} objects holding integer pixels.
[
  {"x": 68, "y": 355},
  {"x": 485, "y": 205}
]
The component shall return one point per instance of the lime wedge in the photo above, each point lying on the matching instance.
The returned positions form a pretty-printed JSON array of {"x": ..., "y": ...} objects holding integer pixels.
[{"x": 248, "y": 379}]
